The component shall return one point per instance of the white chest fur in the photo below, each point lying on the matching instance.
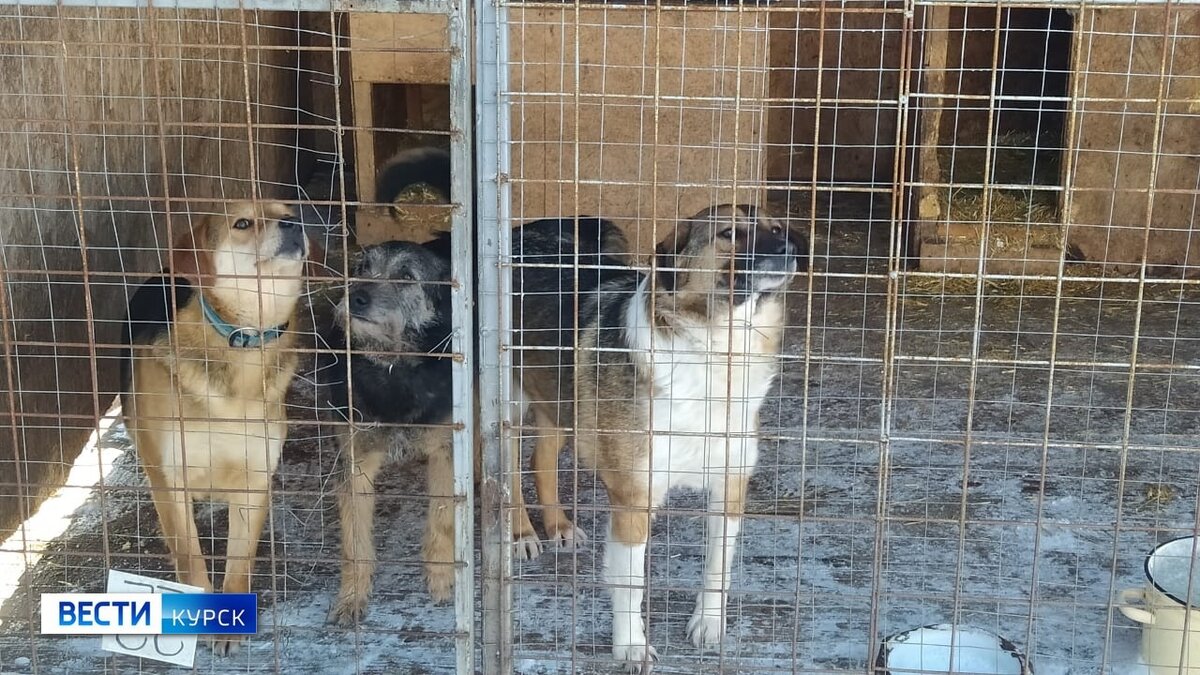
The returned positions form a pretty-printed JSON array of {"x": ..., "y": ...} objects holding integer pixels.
[{"x": 709, "y": 382}]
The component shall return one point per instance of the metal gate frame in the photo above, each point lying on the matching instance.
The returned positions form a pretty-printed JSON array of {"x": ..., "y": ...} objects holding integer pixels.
[
  {"x": 462, "y": 292},
  {"x": 493, "y": 225}
]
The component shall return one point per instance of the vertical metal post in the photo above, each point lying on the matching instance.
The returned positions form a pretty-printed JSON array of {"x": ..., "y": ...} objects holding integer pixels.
[
  {"x": 462, "y": 271},
  {"x": 911, "y": 37},
  {"x": 494, "y": 242}
]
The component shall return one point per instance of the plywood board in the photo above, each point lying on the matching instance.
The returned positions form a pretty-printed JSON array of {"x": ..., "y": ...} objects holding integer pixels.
[
  {"x": 400, "y": 48},
  {"x": 413, "y": 222},
  {"x": 636, "y": 115},
  {"x": 859, "y": 57},
  {"x": 1115, "y": 139}
]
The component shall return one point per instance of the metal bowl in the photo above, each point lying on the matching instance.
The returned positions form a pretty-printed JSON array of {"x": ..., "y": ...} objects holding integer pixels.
[{"x": 928, "y": 650}]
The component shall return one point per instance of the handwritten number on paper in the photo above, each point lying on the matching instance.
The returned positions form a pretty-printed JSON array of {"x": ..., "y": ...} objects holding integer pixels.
[{"x": 176, "y": 649}]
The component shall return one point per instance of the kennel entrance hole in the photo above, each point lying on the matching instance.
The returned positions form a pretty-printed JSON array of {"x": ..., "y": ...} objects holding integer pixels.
[{"x": 1017, "y": 151}]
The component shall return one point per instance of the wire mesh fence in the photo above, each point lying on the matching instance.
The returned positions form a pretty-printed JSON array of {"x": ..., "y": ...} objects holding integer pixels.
[
  {"x": 942, "y": 372},
  {"x": 130, "y": 127}
]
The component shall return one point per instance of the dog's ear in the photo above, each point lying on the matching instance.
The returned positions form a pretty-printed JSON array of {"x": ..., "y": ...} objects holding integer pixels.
[
  {"x": 666, "y": 256},
  {"x": 190, "y": 257}
]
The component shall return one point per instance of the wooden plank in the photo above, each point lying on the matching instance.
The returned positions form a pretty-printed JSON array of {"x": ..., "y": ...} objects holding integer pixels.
[
  {"x": 935, "y": 38},
  {"x": 401, "y": 68},
  {"x": 961, "y": 256},
  {"x": 399, "y": 48},
  {"x": 409, "y": 222},
  {"x": 364, "y": 141}
]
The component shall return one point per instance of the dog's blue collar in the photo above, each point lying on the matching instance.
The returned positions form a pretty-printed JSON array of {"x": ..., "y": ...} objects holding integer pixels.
[{"x": 239, "y": 337}]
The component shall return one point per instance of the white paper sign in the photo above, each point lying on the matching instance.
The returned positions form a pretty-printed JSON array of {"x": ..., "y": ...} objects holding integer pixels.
[{"x": 177, "y": 649}]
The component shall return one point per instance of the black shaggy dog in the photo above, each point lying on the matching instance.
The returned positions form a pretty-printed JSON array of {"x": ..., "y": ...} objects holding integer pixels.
[
  {"x": 398, "y": 405},
  {"x": 398, "y": 318}
]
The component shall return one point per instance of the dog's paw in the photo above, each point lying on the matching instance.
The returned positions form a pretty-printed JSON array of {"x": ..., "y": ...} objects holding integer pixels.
[
  {"x": 567, "y": 536},
  {"x": 526, "y": 547},
  {"x": 347, "y": 611},
  {"x": 638, "y": 658},
  {"x": 705, "y": 629},
  {"x": 225, "y": 645},
  {"x": 439, "y": 579}
]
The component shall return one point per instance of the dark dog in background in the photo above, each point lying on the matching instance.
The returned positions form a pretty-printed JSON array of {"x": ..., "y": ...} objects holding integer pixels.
[
  {"x": 552, "y": 253},
  {"x": 551, "y": 257},
  {"x": 428, "y": 166}
]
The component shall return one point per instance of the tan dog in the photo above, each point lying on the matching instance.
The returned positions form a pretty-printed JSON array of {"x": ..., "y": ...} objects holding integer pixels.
[
  {"x": 668, "y": 376},
  {"x": 204, "y": 380}
]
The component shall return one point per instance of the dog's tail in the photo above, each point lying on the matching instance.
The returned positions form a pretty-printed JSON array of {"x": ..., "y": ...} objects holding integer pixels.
[{"x": 430, "y": 166}]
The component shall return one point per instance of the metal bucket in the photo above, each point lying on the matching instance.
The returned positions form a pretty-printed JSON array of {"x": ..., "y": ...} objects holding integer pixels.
[{"x": 1170, "y": 625}]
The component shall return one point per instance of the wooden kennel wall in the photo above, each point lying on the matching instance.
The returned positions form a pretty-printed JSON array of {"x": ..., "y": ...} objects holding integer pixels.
[
  {"x": 860, "y": 57},
  {"x": 605, "y": 144},
  {"x": 1113, "y": 82},
  {"x": 1113, "y": 137},
  {"x": 637, "y": 156},
  {"x": 1123, "y": 54}
]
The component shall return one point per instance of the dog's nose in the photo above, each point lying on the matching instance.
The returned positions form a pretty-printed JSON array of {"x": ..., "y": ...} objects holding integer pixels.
[
  {"x": 775, "y": 245},
  {"x": 359, "y": 299}
]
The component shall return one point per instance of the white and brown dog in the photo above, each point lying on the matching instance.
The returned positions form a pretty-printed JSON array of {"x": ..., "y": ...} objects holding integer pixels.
[
  {"x": 209, "y": 359},
  {"x": 669, "y": 371}
]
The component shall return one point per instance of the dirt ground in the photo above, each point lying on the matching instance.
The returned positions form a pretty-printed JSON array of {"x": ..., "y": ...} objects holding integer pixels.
[{"x": 869, "y": 514}]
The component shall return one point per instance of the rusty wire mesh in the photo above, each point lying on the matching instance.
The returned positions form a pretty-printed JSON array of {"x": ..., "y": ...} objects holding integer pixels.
[
  {"x": 981, "y": 416},
  {"x": 126, "y": 127},
  {"x": 987, "y": 406}
]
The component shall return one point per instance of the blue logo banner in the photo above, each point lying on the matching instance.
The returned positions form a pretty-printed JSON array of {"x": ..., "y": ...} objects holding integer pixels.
[{"x": 209, "y": 613}]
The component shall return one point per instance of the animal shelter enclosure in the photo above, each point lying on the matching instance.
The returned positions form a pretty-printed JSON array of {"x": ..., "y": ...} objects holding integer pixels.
[{"x": 985, "y": 403}]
